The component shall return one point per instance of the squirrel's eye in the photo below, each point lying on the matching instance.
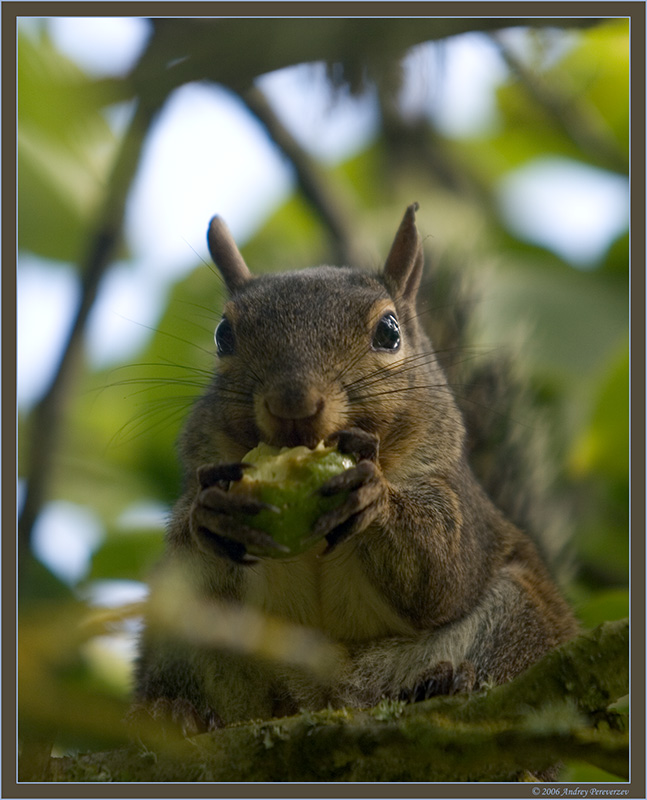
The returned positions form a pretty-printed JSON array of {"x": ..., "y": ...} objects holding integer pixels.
[
  {"x": 224, "y": 338},
  {"x": 387, "y": 333}
]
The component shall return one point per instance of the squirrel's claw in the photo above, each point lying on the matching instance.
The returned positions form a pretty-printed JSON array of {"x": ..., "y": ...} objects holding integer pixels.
[
  {"x": 360, "y": 444},
  {"x": 213, "y": 474},
  {"x": 347, "y": 481},
  {"x": 364, "y": 484},
  {"x": 217, "y": 527},
  {"x": 172, "y": 715},
  {"x": 366, "y": 489},
  {"x": 442, "y": 679},
  {"x": 233, "y": 541},
  {"x": 216, "y": 499}
]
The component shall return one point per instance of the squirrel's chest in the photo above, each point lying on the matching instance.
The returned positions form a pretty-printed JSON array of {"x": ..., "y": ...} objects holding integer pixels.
[{"x": 331, "y": 594}]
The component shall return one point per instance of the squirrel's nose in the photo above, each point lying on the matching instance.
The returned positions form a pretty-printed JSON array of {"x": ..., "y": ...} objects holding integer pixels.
[
  {"x": 296, "y": 412},
  {"x": 294, "y": 402}
]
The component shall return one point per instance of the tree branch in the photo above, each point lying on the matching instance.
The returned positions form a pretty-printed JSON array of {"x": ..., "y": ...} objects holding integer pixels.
[
  {"x": 582, "y": 125},
  {"x": 47, "y": 415},
  {"x": 529, "y": 724},
  {"x": 325, "y": 199}
]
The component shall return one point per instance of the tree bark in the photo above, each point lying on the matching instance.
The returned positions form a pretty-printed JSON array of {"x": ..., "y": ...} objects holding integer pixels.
[{"x": 550, "y": 713}]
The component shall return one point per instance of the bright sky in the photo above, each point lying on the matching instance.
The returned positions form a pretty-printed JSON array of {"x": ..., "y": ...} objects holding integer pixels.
[{"x": 207, "y": 155}]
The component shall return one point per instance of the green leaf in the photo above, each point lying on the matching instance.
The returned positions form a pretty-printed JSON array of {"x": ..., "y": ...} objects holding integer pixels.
[
  {"x": 292, "y": 237},
  {"x": 575, "y": 320},
  {"x": 127, "y": 555},
  {"x": 603, "y": 606},
  {"x": 588, "y": 121},
  {"x": 603, "y": 448},
  {"x": 596, "y": 72},
  {"x": 65, "y": 148},
  {"x": 602, "y": 544}
]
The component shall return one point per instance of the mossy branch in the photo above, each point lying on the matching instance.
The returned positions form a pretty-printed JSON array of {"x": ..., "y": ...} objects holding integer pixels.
[{"x": 548, "y": 714}]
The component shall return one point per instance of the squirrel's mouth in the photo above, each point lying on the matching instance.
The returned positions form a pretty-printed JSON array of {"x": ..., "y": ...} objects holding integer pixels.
[
  {"x": 293, "y": 416},
  {"x": 295, "y": 433}
]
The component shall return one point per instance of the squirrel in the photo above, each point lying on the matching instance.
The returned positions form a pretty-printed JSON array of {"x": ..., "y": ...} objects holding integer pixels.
[{"x": 420, "y": 582}]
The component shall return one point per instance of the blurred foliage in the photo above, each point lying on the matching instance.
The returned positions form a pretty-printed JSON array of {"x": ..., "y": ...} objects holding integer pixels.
[
  {"x": 65, "y": 148},
  {"x": 115, "y": 451}
]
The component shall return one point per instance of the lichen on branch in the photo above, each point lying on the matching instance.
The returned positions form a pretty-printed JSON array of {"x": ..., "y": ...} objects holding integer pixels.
[{"x": 550, "y": 713}]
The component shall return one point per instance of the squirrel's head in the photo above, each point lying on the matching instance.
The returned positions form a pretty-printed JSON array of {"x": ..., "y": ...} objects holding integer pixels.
[{"x": 304, "y": 354}]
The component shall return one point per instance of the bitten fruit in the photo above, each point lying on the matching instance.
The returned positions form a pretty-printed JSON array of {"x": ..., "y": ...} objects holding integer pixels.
[{"x": 288, "y": 478}]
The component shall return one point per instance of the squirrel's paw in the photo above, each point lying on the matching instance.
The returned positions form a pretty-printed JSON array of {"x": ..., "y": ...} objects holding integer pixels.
[
  {"x": 364, "y": 484},
  {"x": 220, "y": 475},
  {"x": 442, "y": 679},
  {"x": 171, "y": 715},
  {"x": 360, "y": 444},
  {"x": 216, "y": 516}
]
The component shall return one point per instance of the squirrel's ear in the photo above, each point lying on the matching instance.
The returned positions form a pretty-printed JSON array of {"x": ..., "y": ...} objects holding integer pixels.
[
  {"x": 226, "y": 255},
  {"x": 403, "y": 268}
]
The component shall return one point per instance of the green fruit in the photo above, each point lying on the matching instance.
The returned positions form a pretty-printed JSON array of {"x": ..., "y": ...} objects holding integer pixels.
[{"x": 288, "y": 479}]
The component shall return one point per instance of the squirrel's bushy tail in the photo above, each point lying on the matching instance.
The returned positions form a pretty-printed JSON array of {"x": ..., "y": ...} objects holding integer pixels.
[{"x": 508, "y": 441}]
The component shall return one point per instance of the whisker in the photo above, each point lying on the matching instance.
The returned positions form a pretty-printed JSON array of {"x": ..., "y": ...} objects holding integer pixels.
[
  {"x": 136, "y": 426},
  {"x": 206, "y": 263},
  {"x": 448, "y": 389},
  {"x": 416, "y": 361}
]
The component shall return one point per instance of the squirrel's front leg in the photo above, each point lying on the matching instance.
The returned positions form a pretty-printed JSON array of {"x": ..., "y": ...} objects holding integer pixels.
[{"x": 419, "y": 544}]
